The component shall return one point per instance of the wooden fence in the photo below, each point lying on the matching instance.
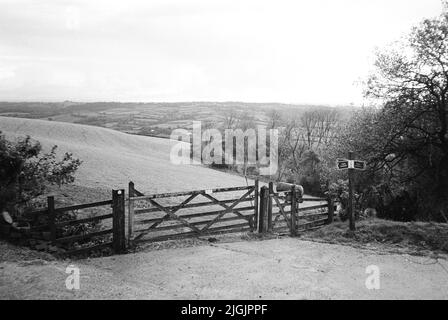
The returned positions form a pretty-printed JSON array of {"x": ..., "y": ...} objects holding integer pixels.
[
  {"x": 181, "y": 215},
  {"x": 114, "y": 236},
  {"x": 288, "y": 211},
  {"x": 163, "y": 216}
]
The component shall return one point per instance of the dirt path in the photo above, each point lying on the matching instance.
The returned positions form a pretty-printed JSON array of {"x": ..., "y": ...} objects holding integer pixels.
[{"x": 272, "y": 269}]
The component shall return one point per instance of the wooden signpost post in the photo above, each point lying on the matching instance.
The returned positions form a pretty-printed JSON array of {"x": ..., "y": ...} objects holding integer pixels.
[{"x": 350, "y": 164}]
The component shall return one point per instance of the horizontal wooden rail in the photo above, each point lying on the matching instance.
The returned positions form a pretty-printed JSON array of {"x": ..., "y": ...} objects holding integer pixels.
[
  {"x": 188, "y": 193},
  {"x": 320, "y": 206},
  {"x": 314, "y": 199},
  {"x": 189, "y": 216},
  {"x": 313, "y": 215},
  {"x": 84, "y": 206},
  {"x": 198, "y": 223},
  {"x": 191, "y": 205}
]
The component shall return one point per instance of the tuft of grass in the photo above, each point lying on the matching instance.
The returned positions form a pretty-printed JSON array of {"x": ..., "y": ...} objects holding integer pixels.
[{"x": 422, "y": 235}]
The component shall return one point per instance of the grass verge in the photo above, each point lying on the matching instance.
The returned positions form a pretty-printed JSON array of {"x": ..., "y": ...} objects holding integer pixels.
[{"x": 412, "y": 235}]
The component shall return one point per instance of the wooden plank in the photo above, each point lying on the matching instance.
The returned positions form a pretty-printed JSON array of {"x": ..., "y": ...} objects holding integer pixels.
[
  {"x": 282, "y": 211},
  {"x": 283, "y": 205},
  {"x": 314, "y": 199},
  {"x": 197, "y": 223},
  {"x": 314, "y": 215},
  {"x": 321, "y": 206},
  {"x": 84, "y": 236},
  {"x": 187, "y": 193},
  {"x": 88, "y": 249},
  {"x": 189, "y": 216},
  {"x": 173, "y": 211},
  {"x": 86, "y": 220},
  {"x": 228, "y": 208},
  {"x": 84, "y": 206},
  {"x": 170, "y": 214},
  {"x": 191, "y": 205},
  {"x": 233, "y": 210}
]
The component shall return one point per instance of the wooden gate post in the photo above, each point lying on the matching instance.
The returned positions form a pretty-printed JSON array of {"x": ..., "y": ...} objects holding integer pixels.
[
  {"x": 51, "y": 218},
  {"x": 256, "y": 205},
  {"x": 131, "y": 193},
  {"x": 262, "y": 212},
  {"x": 269, "y": 216},
  {"x": 293, "y": 211},
  {"x": 330, "y": 210},
  {"x": 118, "y": 212},
  {"x": 351, "y": 214}
]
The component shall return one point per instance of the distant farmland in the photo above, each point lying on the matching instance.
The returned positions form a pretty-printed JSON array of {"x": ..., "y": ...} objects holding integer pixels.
[{"x": 152, "y": 119}]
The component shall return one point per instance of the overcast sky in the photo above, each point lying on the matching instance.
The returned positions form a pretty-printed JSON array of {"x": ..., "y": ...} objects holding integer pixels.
[{"x": 312, "y": 51}]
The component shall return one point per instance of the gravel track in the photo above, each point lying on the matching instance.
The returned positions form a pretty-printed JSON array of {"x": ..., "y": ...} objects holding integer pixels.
[{"x": 283, "y": 268}]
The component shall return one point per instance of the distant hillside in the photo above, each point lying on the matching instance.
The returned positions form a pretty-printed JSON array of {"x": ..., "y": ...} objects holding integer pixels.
[
  {"x": 153, "y": 119},
  {"x": 112, "y": 159}
]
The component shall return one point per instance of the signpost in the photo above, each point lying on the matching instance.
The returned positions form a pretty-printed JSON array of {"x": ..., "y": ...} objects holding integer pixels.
[{"x": 350, "y": 164}]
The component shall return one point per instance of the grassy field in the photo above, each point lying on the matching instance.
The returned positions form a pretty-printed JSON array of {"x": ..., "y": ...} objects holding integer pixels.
[{"x": 111, "y": 159}]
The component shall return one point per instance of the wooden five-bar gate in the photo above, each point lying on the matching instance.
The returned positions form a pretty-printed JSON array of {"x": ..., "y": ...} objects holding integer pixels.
[
  {"x": 156, "y": 217},
  {"x": 163, "y": 216}
]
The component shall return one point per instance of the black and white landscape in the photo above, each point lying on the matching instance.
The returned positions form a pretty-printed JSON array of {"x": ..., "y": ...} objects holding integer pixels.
[{"x": 223, "y": 150}]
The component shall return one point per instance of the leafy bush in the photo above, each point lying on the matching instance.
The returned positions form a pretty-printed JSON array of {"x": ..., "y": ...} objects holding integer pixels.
[{"x": 26, "y": 172}]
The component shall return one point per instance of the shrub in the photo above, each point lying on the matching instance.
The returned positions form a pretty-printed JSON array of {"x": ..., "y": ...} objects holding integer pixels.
[{"x": 26, "y": 172}]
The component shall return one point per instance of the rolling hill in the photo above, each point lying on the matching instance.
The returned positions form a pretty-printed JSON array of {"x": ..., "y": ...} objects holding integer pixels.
[{"x": 111, "y": 159}]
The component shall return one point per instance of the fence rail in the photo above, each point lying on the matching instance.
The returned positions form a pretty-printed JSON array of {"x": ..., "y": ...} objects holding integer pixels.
[
  {"x": 283, "y": 211},
  {"x": 157, "y": 220},
  {"x": 163, "y": 216},
  {"x": 54, "y": 226}
]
